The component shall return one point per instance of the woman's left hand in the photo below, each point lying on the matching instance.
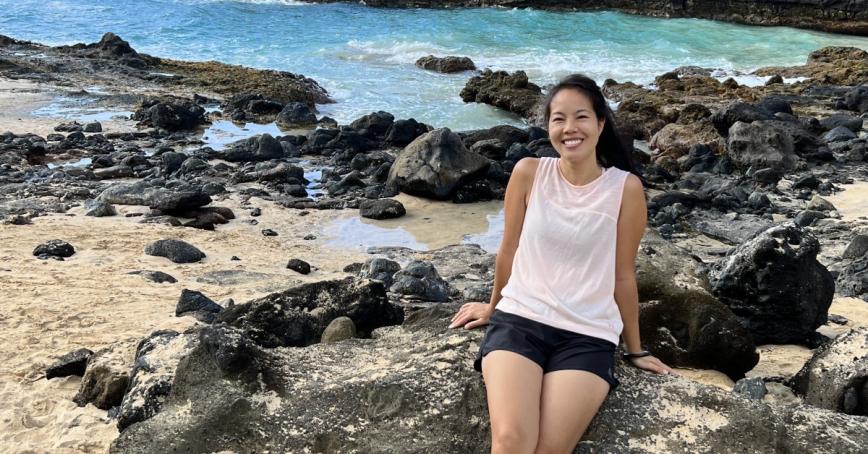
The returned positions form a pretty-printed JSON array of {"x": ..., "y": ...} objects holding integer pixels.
[{"x": 650, "y": 363}]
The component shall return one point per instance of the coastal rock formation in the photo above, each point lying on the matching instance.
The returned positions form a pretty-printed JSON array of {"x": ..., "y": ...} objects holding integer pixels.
[
  {"x": 850, "y": 17},
  {"x": 229, "y": 394},
  {"x": 175, "y": 250},
  {"x": 836, "y": 376},
  {"x": 680, "y": 321},
  {"x": 170, "y": 114},
  {"x": 157, "y": 194},
  {"x": 446, "y": 65},
  {"x": 775, "y": 286},
  {"x": 434, "y": 165},
  {"x": 297, "y": 317},
  {"x": 760, "y": 146},
  {"x": 511, "y": 92},
  {"x": 420, "y": 280}
]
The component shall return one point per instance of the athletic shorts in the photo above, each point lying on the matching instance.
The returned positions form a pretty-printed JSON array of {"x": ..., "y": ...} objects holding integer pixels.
[{"x": 552, "y": 348}]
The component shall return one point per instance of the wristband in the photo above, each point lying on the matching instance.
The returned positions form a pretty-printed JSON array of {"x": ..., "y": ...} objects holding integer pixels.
[{"x": 639, "y": 354}]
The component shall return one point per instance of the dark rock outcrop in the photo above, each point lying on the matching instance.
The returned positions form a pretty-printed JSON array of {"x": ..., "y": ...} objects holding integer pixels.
[
  {"x": 170, "y": 114},
  {"x": 156, "y": 194},
  {"x": 381, "y": 209},
  {"x": 448, "y": 65},
  {"x": 420, "y": 280},
  {"x": 434, "y": 165},
  {"x": 54, "y": 248},
  {"x": 511, "y": 92},
  {"x": 229, "y": 395},
  {"x": 72, "y": 363},
  {"x": 297, "y": 317},
  {"x": 175, "y": 250},
  {"x": 836, "y": 376},
  {"x": 775, "y": 285}
]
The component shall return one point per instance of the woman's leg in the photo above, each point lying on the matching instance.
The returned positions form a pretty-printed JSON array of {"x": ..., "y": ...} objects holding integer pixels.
[
  {"x": 513, "y": 384},
  {"x": 570, "y": 399}
]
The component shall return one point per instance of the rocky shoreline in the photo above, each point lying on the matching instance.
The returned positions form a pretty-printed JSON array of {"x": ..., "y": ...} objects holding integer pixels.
[
  {"x": 280, "y": 342},
  {"x": 825, "y": 15}
]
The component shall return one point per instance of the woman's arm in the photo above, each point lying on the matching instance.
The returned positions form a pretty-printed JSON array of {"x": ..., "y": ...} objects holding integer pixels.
[
  {"x": 515, "y": 201},
  {"x": 631, "y": 226}
]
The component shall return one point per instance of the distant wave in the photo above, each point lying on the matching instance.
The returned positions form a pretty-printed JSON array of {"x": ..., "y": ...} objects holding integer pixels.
[{"x": 262, "y": 2}]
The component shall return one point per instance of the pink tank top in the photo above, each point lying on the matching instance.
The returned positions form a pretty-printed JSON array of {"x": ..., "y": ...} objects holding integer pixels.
[{"x": 563, "y": 273}]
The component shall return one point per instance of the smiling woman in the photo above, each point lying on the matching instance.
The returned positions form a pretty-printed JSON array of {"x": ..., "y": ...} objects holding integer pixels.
[{"x": 565, "y": 284}]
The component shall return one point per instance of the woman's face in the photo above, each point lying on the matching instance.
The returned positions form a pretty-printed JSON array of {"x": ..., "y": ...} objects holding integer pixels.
[{"x": 573, "y": 126}]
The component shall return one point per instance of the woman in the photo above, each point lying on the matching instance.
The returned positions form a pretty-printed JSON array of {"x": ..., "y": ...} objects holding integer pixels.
[{"x": 565, "y": 283}]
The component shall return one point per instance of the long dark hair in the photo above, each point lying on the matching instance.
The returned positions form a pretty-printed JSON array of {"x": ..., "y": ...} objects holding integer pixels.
[{"x": 611, "y": 149}]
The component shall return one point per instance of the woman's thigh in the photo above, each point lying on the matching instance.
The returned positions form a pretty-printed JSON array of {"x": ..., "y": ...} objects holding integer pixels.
[
  {"x": 569, "y": 401},
  {"x": 513, "y": 384}
]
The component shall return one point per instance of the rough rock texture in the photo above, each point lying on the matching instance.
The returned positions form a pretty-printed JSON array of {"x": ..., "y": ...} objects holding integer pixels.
[
  {"x": 511, "y": 92},
  {"x": 72, "y": 363},
  {"x": 435, "y": 164},
  {"x": 105, "y": 378},
  {"x": 413, "y": 389},
  {"x": 853, "y": 278},
  {"x": 193, "y": 301},
  {"x": 775, "y": 285},
  {"x": 175, "y": 250},
  {"x": 680, "y": 321},
  {"x": 420, "y": 280},
  {"x": 297, "y": 317},
  {"x": 759, "y": 145},
  {"x": 836, "y": 376},
  {"x": 158, "y": 194},
  {"x": 54, "y": 248},
  {"x": 170, "y": 114},
  {"x": 381, "y": 209},
  {"x": 380, "y": 269},
  {"x": 446, "y": 65},
  {"x": 157, "y": 356}
]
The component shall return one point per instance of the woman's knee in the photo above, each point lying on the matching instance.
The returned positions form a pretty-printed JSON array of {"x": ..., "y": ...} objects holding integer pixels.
[{"x": 514, "y": 438}]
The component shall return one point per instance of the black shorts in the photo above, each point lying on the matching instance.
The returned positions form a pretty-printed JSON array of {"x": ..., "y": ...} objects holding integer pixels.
[{"x": 552, "y": 348}]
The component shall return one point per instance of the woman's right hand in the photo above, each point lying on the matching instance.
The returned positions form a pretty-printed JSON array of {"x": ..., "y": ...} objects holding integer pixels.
[{"x": 471, "y": 315}]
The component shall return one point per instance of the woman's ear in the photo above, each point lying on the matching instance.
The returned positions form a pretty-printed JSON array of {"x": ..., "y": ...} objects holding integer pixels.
[{"x": 601, "y": 124}]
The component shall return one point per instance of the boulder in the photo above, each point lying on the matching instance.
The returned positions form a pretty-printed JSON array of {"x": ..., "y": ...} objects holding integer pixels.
[
  {"x": 341, "y": 328},
  {"x": 857, "y": 99},
  {"x": 72, "y": 363},
  {"x": 157, "y": 357},
  {"x": 54, "y": 248},
  {"x": 434, "y": 164},
  {"x": 760, "y": 145},
  {"x": 296, "y": 114},
  {"x": 297, "y": 317},
  {"x": 680, "y": 321},
  {"x": 381, "y": 209},
  {"x": 196, "y": 303},
  {"x": 677, "y": 139},
  {"x": 839, "y": 134},
  {"x": 257, "y": 148},
  {"x": 836, "y": 376},
  {"x": 105, "y": 379},
  {"x": 156, "y": 194},
  {"x": 170, "y": 114},
  {"x": 157, "y": 277},
  {"x": 376, "y": 123},
  {"x": 402, "y": 132},
  {"x": 99, "y": 208},
  {"x": 853, "y": 279},
  {"x": 381, "y": 269},
  {"x": 299, "y": 266},
  {"x": 175, "y": 250},
  {"x": 732, "y": 113},
  {"x": 420, "y": 280},
  {"x": 412, "y": 389},
  {"x": 775, "y": 285},
  {"x": 448, "y": 65},
  {"x": 857, "y": 247},
  {"x": 511, "y": 92}
]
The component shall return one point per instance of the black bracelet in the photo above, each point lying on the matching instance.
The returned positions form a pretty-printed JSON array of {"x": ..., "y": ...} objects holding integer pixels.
[{"x": 639, "y": 354}]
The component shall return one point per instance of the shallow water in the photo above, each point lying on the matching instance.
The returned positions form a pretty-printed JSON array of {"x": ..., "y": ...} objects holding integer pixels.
[
  {"x": 365, "y": 57},
  {"x": 428, "y": 225}
]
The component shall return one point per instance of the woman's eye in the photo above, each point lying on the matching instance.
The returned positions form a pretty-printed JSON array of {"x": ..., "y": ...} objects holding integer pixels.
[{"x": 557, "y": 120}]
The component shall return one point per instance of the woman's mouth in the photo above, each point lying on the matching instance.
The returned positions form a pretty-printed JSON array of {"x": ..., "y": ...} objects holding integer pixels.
[{"x": 572, "y": 143}]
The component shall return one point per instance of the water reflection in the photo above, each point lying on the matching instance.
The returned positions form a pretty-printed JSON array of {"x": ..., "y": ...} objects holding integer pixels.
[{"x": 427, "y": 225}]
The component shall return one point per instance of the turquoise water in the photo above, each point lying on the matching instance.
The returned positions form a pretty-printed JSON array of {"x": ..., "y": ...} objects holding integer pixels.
[{"x": 364, "y": 56}]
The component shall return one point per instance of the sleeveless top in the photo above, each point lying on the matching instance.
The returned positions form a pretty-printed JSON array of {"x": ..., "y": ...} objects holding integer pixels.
[{"x": 563, "y": 272}]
